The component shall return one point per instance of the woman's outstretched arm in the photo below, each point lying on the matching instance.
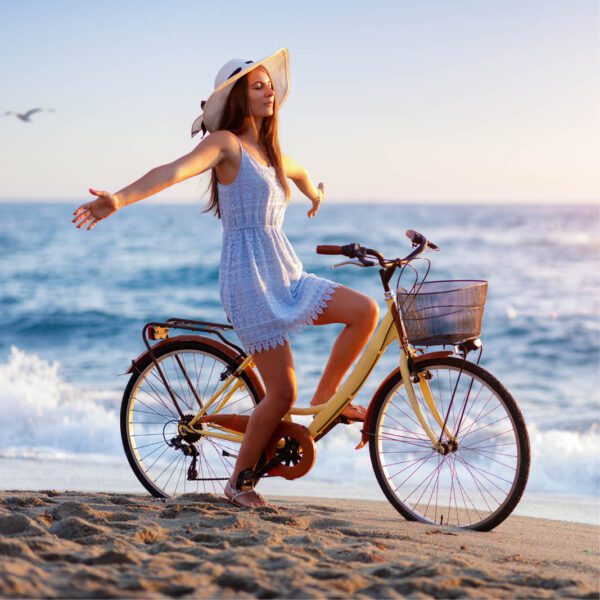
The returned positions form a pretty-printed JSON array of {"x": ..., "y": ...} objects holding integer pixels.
[
  {"x": 206, "y": 155},
  {"x": 299, "y": 175}
]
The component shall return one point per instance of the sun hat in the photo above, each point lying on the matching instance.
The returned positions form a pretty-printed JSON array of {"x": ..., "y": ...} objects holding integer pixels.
[{"x": 278, "y": 65}]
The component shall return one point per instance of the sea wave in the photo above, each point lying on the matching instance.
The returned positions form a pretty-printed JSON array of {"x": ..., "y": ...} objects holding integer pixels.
[{"x": 40, "y": 410}]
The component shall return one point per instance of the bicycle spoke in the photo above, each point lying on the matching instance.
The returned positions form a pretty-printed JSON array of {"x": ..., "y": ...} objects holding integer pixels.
[
  {"x": 159, "y": 444},
  {"x": 208, "y": 380},
  {"x": 431, "y": 473},
  {"x": 491, "y": 437},
  {"x": 399, "y": 438},
  {"x": 179, "y": 478},
  {"x": 184, "y": 389},
  {"x": 479, "y": 483},
  {"x": 478, "y": 417},
  {"x": 159, "y": 380},
  {"x": 168, "y": 404},
  {"x": 484, "y": 451},
  {"x": 505, "y": 417},
  {"x": 406, "y": 429},
  {"x": 409, "y": 417},
  {"x": 494, "y": 460},
  {"x": 436, "y": 478}
]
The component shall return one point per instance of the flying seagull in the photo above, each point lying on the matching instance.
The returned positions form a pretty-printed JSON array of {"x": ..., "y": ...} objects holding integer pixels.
[{"x": 26, "y": 117}]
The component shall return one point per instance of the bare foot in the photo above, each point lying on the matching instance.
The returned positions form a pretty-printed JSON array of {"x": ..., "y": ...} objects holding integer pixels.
[
  {"x": 355, "y": 413},
  {"x": 351, "y": 412}
]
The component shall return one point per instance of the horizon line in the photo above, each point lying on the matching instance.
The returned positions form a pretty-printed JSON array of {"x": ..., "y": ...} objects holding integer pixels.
[{"x": 466, "y": 201}]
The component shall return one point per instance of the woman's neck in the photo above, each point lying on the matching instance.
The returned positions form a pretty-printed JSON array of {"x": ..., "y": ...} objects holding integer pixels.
[{"x": 252, "y": 133}]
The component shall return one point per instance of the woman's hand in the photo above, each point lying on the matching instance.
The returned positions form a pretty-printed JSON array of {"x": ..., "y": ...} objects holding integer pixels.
[
  {"x": 316, "y": 202},
  {"x": 91, "y": 213}
]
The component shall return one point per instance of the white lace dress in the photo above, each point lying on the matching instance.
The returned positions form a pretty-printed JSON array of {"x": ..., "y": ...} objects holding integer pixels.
[{"x": 264, "y": 289}]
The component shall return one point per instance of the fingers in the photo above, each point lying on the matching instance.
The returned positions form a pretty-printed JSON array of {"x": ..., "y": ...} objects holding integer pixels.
[
  {"x": 81, "y": 215},
  {"x": 98, "y": 192},
  {"x": 81, "y": 209},
  {"x": 86, "y": 220},
  {"x": 84, "y": 216}
]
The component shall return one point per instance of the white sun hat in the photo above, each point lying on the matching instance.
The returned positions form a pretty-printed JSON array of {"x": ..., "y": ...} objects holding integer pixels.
[{"x": 278, "y": 65}]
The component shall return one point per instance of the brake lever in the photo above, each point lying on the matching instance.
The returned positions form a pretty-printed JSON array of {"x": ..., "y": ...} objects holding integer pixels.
[{"x": 349, "y": 262}]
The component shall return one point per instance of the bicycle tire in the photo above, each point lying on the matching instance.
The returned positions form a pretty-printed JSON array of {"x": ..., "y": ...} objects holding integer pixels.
[
  {"x": 163, "y": 414},
  {"x": 414, "y": 447}
]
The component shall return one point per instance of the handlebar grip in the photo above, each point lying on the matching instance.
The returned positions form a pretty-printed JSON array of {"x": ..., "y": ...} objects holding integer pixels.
[
  {"x": 419, "y": 239},
  {"x": 328, "y": 249},
  {"x": 414, "y": 236}
]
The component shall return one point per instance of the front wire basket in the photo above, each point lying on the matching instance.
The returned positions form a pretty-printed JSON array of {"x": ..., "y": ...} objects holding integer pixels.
[{"x": 443, "y": 312}]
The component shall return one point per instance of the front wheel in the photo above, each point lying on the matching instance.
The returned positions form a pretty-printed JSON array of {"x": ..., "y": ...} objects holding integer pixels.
[{"x": 473, "y": 481}]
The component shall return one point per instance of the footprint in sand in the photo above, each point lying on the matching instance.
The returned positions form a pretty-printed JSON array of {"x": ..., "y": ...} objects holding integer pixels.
[
  {"x": 20, "y": 525},
  {"x": 114, "y": 557},
  {"x": 16, "y": 548},
  {"x": 77, "y": 509},
  {"x": 291, "y": 520},
  {"x": 16, "y": 502},
  {"x": 75, "y": 528},
  {"x": 323, "y": 509},
  {"x": 326, "y": 523},
  {"x": 151, "y": 535}
]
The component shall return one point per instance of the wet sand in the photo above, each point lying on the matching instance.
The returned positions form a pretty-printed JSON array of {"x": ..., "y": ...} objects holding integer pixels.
[{"x": 95, "y": 545}]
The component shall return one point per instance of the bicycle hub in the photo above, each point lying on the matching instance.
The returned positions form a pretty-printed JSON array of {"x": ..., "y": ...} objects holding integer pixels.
[{"x": 444, "y": 448}]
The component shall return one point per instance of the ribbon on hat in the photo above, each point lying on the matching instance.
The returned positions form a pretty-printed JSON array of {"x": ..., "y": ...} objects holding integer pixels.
[{"x": 202, "y": 125}]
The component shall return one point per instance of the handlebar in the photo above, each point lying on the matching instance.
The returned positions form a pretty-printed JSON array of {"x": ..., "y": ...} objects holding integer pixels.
[{"x": 360, "y": 252}]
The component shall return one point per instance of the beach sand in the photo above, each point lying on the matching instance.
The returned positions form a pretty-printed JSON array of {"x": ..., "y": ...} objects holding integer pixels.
[{"x": 96, "y": 545}]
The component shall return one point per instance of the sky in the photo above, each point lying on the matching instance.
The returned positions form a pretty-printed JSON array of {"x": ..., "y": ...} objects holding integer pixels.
[{"x": 430, "y": 101}]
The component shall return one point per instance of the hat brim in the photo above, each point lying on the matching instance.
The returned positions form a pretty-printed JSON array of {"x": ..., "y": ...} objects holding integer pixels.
[{"x": 278, "y": 65}]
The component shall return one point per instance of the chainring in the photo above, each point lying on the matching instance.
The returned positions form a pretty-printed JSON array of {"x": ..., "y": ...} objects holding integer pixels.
[{"x": 299, "y": 446}]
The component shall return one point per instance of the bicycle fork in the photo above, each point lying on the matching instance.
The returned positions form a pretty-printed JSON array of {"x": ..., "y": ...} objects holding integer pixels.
[{"x": 407, "y": 378}]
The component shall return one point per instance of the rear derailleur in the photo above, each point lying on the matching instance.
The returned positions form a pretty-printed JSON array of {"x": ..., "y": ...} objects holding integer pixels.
[{"x": 185, "y": 443}]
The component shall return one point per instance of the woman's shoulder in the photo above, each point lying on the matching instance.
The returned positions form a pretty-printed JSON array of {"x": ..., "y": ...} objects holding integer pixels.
[{"x": 225, "y": 138}]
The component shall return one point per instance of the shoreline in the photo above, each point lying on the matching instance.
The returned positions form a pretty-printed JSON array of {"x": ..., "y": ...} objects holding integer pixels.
[
  {"x": 115, "y": 476},
  {"x": 78, "y": 544}
]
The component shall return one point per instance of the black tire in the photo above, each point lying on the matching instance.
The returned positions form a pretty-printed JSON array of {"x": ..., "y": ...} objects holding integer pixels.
[
  {"x": 475, "y": 486},
  {"x": 149, "y": 419}
]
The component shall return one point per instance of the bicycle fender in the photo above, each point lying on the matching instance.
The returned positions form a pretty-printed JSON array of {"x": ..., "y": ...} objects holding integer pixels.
[
  {"x": 416, "y": 359},
  {"x": 227, "y": 350}
]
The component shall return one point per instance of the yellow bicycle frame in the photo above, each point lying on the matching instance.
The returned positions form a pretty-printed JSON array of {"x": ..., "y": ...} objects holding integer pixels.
[{"x": 325, "y": 414}]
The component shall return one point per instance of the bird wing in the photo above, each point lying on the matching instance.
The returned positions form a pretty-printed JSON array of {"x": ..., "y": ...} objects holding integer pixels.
[{"x": 31, "y": 111}]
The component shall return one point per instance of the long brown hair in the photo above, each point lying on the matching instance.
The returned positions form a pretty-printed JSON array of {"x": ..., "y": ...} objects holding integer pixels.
[{"x": 236, "y": 118}]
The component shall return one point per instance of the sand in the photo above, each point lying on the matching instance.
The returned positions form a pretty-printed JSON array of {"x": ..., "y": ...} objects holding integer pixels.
[{"x": 97, "y": 545}]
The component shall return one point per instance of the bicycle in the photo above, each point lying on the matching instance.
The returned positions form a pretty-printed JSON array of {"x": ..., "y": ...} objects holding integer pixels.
[{"x": 448, "y": 443}]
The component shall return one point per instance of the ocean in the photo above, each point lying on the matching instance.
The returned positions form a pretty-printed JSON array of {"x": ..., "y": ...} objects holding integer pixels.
[{"x": 74, "y": 304}]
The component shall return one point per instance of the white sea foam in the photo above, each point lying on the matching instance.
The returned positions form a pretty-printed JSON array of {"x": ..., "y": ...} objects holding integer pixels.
[
  {"x": 45, "y": 417},
  {"x": 41, "y": 413},
  {"x": 565, "y": 461}
]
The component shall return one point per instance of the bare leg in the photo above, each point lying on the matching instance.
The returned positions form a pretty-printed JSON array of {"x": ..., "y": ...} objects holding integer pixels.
[
  {"x": 360, "y": 314},
  {"x": 276, "y": 367}
]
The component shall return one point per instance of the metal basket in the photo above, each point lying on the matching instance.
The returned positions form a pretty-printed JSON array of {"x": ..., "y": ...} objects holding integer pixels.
[{"x": 443, "y": 312}]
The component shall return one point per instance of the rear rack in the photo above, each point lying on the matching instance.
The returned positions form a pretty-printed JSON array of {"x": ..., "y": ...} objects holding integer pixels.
[{"x": 159, "y": 330}]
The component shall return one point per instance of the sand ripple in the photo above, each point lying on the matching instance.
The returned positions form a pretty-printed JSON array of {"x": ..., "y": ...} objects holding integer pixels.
[{"x": 74, "y": 545}]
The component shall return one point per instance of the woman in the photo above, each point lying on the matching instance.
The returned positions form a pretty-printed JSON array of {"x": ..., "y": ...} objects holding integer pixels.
[{"x": 264, "y": 290}]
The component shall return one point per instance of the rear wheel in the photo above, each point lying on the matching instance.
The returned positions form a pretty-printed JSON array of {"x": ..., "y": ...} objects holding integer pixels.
[
  {"x": 149, "y": 419},
  {"x": 474, "y": 484}
]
